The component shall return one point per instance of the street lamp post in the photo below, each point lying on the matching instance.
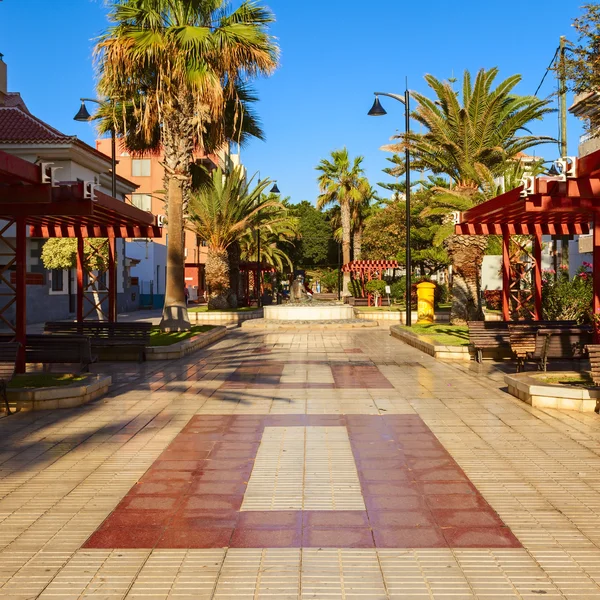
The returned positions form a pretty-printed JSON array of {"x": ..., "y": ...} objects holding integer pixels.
[
  {"x": 273, "y": 190},
  {"x": 84, "y": 115},
  {"x": 378, "y": 111}
]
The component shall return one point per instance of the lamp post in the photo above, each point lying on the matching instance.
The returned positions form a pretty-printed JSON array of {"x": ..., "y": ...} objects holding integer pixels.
[
  {"x": 378, "y": 111},
  {"x": 82, "y": 116},
  {"x": 273, "y": 190}
]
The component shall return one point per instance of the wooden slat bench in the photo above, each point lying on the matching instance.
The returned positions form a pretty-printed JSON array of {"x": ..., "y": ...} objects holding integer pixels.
[
  {"x": 325, "y": 296},
  {"x": 594, "y": 356},
  {"x": 58, "y": 349},
  {"x": 539, "y": 341},
  {"x": 352, "y": 301},
  {"x": 107, "y": 336},
  {"x": 488, "y": 335},
  {"x": 8, "y": 358}
]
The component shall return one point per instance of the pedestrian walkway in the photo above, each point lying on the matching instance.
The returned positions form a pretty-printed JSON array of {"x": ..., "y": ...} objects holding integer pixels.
[{"x": 301, "y": 465}]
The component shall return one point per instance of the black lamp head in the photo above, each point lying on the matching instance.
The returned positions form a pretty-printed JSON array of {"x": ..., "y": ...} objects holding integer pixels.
[
  {"x": 377, "y": 110},
  {"x": 275, "y": 189},
  {"x": 553, "y": 171},
  {"x": 83, "y": 114}
]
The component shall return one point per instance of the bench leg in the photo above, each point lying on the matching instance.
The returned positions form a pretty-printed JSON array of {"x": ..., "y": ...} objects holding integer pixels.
[
  {"x": 5, "y": 396},
  {"x": 519, "y": 364},
  {"x": 479, "y": 355}
]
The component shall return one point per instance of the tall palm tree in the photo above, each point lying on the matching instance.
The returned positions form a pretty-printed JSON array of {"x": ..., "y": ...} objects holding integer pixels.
[
  {"x": 341, "y": 182},
  {"x": 222, "y": 214},
  {"x": 178, "y": 64},
  {"x": 472, "y": 140}
]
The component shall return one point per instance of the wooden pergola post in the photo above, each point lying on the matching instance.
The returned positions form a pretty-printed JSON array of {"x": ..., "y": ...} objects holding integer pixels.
[
  {"x": 537, "y": 274},
  {"x": 112, "y": 280},
  {"x": 80, "y": 292},
  {"x": 21, "y": 292},
  {"x": 505, "y": 274}
]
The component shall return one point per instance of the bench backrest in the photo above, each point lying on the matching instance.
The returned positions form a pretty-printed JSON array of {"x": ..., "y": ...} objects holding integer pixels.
[
  {"x": 56, "y": 348},
  {"x": 522, "y": 338},
  {"x": 569, "y": 342},
  {"x": 101, "y": 329},
  {"x": 8, "y": 357},
  {"x": 594, "y": 356},
  {"x": 488, "y": 334}
]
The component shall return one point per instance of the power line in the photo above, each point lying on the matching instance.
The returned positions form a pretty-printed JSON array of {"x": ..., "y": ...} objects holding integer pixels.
[{"x": 546, "y": 73}]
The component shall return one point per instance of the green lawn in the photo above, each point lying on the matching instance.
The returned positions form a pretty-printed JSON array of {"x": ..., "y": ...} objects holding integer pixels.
[
  {"x": 42, "y": 380},
  {"x": 158, "y": 338},
  {"x": 446, "y": 335},
  {"x": 205, "y": 309}
]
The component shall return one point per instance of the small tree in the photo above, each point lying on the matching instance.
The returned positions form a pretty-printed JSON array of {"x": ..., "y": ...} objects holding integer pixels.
[{"x": 377, "y": 288}]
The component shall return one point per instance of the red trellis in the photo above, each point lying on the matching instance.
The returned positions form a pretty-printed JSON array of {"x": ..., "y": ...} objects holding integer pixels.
[
  {"x": 366, "y": 270},
  {"x": 565, "y": 205},
  {"x": 29, "y": 198}
]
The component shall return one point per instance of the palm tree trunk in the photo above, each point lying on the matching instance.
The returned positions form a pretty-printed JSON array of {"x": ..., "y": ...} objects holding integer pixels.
[
  {"x": 233, "y": 253},
  {"x": 175, "y": 315},
  {"x": 357, "y": 243},
  {"x": 217, "y": 278},
  {"x": 346, "y": 226},
  {"x": 466, "y": 252}
]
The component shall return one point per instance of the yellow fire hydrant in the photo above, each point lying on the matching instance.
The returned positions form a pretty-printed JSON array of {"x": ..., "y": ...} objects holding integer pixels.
[{"x": 425, "y": 305}]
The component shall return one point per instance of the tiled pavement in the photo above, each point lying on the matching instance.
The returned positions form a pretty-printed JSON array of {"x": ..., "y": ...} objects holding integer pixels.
[{"x": 62, "y": 473}]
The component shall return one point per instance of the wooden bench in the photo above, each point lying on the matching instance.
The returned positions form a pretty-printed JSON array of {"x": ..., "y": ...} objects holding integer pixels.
[
  {"x": 107, "y": 336},
  {"x": 539, "y": 341},
  {"x": 58, "y": 349},
  {"x": 594, "y": 356},
  {"x": 488, "y": 335},
  {"x": 325, "y": 296},
  {"x": 352, "y": 301},
  {"x": 8, "y": 358}
]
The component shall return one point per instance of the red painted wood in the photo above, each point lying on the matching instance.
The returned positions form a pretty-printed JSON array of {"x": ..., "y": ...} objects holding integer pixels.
[
  {"x": 112, "y": 280},
  {"x": 537, "y": 275},
  {"x": 21, "y": 292},
  {"x": 80, "y": 261},
  {"x": 506, "y": 276}
]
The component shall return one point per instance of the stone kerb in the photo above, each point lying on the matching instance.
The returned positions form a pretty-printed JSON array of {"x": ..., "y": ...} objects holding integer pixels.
[
  {"x": 181, "y": 349},
  {"x": 539, "y": 394},
  {"x": 436, "y": 350},
  {"x": 215, "y": 316},
  {"x": 67, "y": 396}
]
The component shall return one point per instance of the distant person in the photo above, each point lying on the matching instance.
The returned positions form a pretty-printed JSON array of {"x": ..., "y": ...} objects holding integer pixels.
[{"x": 186, "y": 293}]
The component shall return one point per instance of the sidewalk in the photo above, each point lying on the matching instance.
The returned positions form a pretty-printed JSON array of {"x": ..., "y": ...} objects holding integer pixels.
[{"x": 300, "y": 465}]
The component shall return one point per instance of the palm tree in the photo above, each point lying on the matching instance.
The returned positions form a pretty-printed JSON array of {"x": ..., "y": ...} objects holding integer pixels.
[
  {"x": 342, "y": 182},
  {"x": 178, "y": 64},
  {"x": 222, "y": 214},
  {"x": 472, "y": 142}
]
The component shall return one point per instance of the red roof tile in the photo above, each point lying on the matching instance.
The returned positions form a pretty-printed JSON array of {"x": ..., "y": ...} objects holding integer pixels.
[{"x": 18, "y": 127}]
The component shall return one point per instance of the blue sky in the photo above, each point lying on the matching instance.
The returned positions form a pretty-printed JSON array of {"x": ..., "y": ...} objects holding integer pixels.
[{"x": 335, "y": 54}]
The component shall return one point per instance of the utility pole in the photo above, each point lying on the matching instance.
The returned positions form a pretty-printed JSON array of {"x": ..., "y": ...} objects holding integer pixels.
[{"x": 562, "y": 95}]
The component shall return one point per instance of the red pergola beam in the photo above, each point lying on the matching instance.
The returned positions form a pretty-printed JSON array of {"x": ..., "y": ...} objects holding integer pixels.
[{"x": 16, "y": 170}]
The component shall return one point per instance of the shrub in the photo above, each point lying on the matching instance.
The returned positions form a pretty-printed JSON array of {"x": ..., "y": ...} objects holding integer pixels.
[
  {"x": 493, "y": 299},
  {"x": 355, "y": 288},
  {"x": 566, "y": 298},
  {"x": 376, "y": 286},
  {"x": 329, "y": 281}
]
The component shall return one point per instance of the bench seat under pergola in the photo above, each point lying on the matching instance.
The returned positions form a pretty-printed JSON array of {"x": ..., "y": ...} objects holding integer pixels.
[
  {"x": 559, "y": 206},
  {"x": 29, "y": 198}
]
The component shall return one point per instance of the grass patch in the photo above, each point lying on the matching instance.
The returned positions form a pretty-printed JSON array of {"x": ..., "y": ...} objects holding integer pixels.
[
  {"x": 445, "y": 335},
  {"x": 44, "y": 380},
  {"x": 583, "y": 380},
  {"x": 204, "y": 308},
  {"x": 159, "y": 338}
]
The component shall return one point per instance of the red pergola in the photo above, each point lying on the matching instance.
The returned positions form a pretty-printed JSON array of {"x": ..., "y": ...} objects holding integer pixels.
[
  {"x": 565, "y": 205},
  {"x": 30, "y": 198}
]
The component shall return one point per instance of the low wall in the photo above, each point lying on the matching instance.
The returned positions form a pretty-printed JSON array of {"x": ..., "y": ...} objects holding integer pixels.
[
  {"x": 263, "y": 324},
  {"x": 539, "y": 394},
  {"x": 181, "y": 349},
  {"x": 396, "y": 316},
  {"x": 284, "y": 312},
  {"x": 66, "y": 396},
  {"x": 424, "y": 345},
  {"x": 218, "y": 317}
]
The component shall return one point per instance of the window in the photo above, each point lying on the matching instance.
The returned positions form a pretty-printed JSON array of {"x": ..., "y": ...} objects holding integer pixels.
[
  {"x": 140, "y": 167},
  {"x": 143, "y": 201},
  {"x": 57, "y": 279}
]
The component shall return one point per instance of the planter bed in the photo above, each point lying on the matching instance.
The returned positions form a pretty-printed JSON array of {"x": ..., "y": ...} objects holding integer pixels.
[
  {"x": 531, "y": 389},
  {"x": 181, "y": 349},
  {"x": 397, "y": 316},
  {"x": 219, "y": 317},
  {"x": 63, "y": 396},
  {"x": 427, "y": 345}
]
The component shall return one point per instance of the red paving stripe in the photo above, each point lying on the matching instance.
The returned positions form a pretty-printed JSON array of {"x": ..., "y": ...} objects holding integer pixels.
[{"x": 416, "y": 496}]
